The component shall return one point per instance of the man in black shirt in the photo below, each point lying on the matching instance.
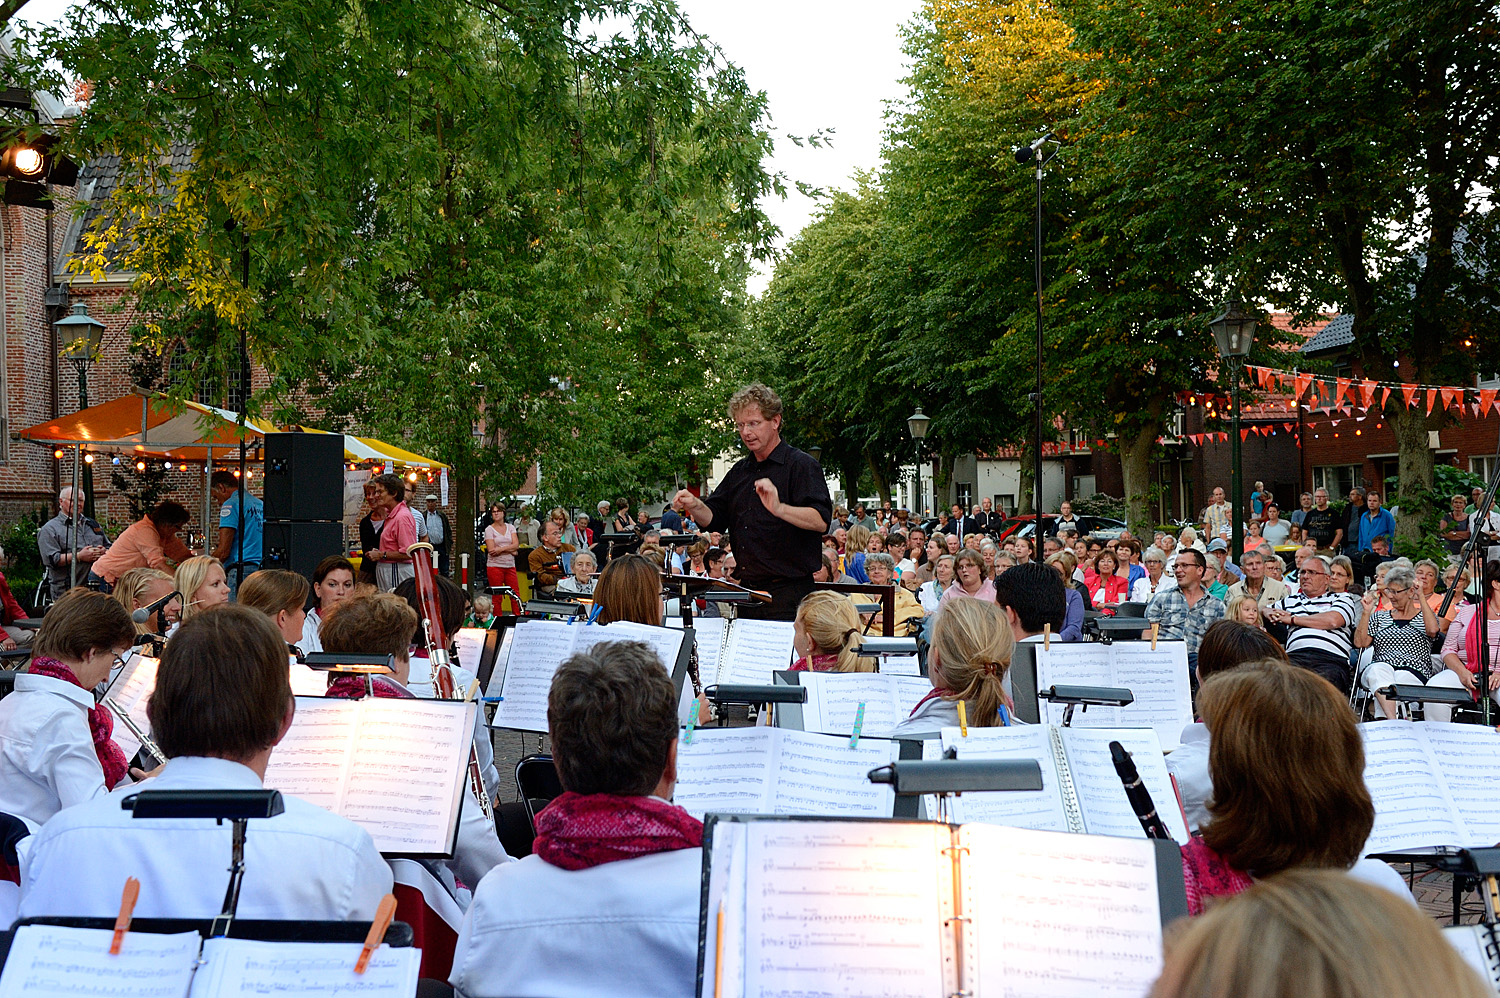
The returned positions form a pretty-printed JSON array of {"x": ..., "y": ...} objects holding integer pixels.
[
  {"x": 1321, "y": 526},
  {"x": 774, "y": 503}
]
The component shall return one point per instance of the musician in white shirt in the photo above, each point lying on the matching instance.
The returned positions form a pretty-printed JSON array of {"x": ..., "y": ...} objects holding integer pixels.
[
  {"x": 49, "y": 758},
  {"x": 223, "y": 700},
  {"x": 608, "y": 902}
]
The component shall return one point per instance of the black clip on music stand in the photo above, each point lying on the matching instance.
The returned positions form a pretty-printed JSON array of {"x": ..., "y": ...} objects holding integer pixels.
[
  {"x": 1085, "y": 697},
  {"x": 553, "y": 608},
  {"x": 751, "y": 697},
  {"x": 368, "y": 666},
  {"x": 884, "y": 648},
  {"x": 611, "y": 540},
  {"x": 949, "y": 775},
  {"x": 237, "y": 806}
]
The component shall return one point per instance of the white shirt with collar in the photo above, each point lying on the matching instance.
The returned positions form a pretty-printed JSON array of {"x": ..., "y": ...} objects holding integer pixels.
[
  {"x": 627, "y": 929},
  {"x": 47, "y": 757},
  {"x": 302, "y": 864},
  {"x": 1189, "y": 763}
]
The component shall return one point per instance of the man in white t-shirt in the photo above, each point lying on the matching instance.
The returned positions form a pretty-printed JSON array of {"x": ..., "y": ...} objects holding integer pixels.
[{"x": 1275, "y": 530}]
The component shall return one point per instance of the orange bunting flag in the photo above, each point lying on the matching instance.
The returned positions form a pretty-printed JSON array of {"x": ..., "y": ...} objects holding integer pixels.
[
  {"x": 1385, "y": 393},
  {"x": 1486, "y": 399},
  {"x": 1341, "y": 387},
  {"x": 1452, "y": 395},
  {"x": 1288, "y": 426},
  {"x": 1410, "y": 393},
  {"x": 1301, "y": 383},
  {"x": 1367, "y": 393},
  {"x": 1244, "y": 435},
  {"x": 1432, "y": 396}
]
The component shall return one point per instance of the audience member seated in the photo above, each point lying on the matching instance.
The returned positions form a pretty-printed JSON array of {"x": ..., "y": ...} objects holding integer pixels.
[
  {"x": 1461, "y": 647},
  {"x": 1255, "y": 584},
  {"x": 333, "y": 582},
  {"x": 1075, "y": 603},
  {"x": 1226, "y": 645},
  {"x": 281, "y": 596},
  {"x": 629, "y": 589},
  {"x": 608, "y": 902},
  {"x": 223, "y": 700},
  {"x": 481, "y": 612},
  {"x": 880, "y": 567},
  {"x": 1401, "y": 637},
  {"x": 581, "y": 582},
  {"x": 1288, "y": 768},
  {"x": 971, "y": 649},
  {"x": 1313, "y": 932},
  {"x": 944, "y": 577},
  {"x": 203, "y": 585},
  {"x": 1032, "y": 597},
  {"x": 1106, "y": 587},
  {"x": 1341, "y": 576},
  {"x": 55, "y": 747},
  {"x": 1242, "y": 609},
  {"x": 1156, "y": 578},
  {"x": 381, "y": 624},
  {"x": 1320, "y": 624},
  {"x": 826, "y": 631}
]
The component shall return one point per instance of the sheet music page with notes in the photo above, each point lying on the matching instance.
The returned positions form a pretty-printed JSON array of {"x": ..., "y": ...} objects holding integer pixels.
[
  {"x": 1161, "y": 684},
  {"x": 1101, "y": 796},
  {"x": 1060, "y": 916},
  {"x": 470, "y": 644},
  {"x": 1412, "y": 807},
  {"x": 663, "y": 640},
  {"x": 725, "y": 769},
  {"x": 1042, "y": 809},
  {"x": 130, "y": 691},
  {"x": 844, "y": 909},
  {"x": 821, "y": 775},
  {"x": 51, "y": 961},
  {"x": 310, "y": 761},
  {"x": 756, "y": 650},
  {"x": 307, "y": 682},
  {"x": 833, "y": 700},
  {"x": 1468, "y": 757},
  {"x": 1084, "y": 663},
  {"x": 538, "y": 648},
  {"x": 304, "y": 970}
]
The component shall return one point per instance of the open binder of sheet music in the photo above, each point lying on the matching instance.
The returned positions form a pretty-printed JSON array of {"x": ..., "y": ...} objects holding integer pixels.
[
  {"x": 775, "y": 771},
  {"x": 845, "y": 908},
  {"x": 1433, "y": 784},
  {"x": 394, "y": 767},
  {"x": 739, "y": 652},
  {"x": 1158, "y": 678},
  {"x": 833, "y": 700},
  {"x": 1081, "y": 792},
  {"x": 524, "y": 677},
  {"x": 1479, "y": 945},
  {"x": 50, "y": 961}
]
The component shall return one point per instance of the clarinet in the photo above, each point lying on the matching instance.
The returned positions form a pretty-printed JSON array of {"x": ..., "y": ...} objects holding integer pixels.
[
  {"x": 436, "y": 638},
  {"x": 1139, "y": 796}
]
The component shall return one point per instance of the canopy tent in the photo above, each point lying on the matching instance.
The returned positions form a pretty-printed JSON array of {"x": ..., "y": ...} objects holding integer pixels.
[{"x": 370, "y": 449}]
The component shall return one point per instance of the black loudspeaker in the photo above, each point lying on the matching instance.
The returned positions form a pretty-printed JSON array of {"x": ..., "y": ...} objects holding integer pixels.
[
  {"x": 304, "y": 476},
  {"x": 298, "y": 547}
]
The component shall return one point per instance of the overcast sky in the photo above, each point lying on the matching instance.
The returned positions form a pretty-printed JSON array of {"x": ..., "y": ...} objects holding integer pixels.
[{"x": 824, "y": 64}]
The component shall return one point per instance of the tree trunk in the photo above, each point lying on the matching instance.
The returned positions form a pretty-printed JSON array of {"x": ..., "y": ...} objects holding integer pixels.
[
  {"x": 942, "y": 480},
  {"x": 1413, "y": 470},
  {"x": 1135, "y": 469},
  {"x": 882, "y": 487},
  {"x": 462, "y": 541},
  {"x": 849, "y": 475},
  {"x": 1027, "y": 489}
]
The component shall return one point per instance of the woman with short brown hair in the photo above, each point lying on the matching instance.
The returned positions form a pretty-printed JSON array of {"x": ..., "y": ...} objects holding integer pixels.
[{"x": 629, "y": 589}]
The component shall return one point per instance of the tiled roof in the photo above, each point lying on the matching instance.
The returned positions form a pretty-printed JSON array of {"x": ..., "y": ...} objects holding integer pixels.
[
  {"x": 1338, "y": 333},
  {"x": 96, "y": 182}
]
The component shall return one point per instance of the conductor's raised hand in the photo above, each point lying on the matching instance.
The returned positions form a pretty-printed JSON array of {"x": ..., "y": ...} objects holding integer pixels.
[
  {"x": 769, "y": 497},
  {"x": 683, "y": 501}
]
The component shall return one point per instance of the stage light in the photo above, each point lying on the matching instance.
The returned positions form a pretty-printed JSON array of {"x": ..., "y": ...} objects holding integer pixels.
[
  {"x": 28, "y": 161},
  {"x": 58, "y": 453},
  {"x": 140, "y": 466}
]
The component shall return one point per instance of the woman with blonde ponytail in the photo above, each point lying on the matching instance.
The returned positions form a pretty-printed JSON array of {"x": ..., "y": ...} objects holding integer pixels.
[
  {"x": 826, "y": 634},
  {"x": 971, "y": 648}
]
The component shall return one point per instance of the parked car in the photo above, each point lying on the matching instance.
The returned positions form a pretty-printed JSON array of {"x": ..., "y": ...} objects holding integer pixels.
[{"x": 1103, "y": 527}]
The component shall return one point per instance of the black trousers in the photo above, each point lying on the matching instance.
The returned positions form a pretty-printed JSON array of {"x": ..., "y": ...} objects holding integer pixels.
[
  {"x": 1331, "y": 667},
  {"x": 786, "y": 594}
]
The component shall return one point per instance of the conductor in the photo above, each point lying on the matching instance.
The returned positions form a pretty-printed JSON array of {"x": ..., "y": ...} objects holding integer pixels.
[{"x": 774, "y": 503}]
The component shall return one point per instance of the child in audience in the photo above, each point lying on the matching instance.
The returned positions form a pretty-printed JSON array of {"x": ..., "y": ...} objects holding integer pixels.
[
  {"x": 825, "y": 634},
  {"x": 1317, "y": 934},
  {"x": 223, "y": 700},
  {"x": 608, "y": 902},
  {"x": 971, "y": 648},
  {"x": 55, "y": 746}
]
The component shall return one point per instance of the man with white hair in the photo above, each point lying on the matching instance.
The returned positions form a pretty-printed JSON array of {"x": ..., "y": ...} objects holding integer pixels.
[
  {"x": 55, "y": 541},
  {"x": 1320, "y": 624}
]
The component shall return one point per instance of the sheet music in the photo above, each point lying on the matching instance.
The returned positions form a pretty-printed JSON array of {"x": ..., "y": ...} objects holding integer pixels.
[
  {"x": 1075, "y": 664},
  {"x": 307, "y": 682},
  {"x": 900, "y": 665},
  {"x": 405, "y": 773},
  {"x": 1412, "y": 807},
  {"x": 725, "y": 769},
  {"x": 663, "y": 640},
  {"x": 1157, "y": 679},
  {"x": 1061, "y": 916},
  {"x": 1468, "y": 757},
  {"x": 1039, "y": 809},
  {"x": 304, "y": 970},
  {"x": 1101, "y": 796},
  {"x": 538, "y": 648},
  {"x": 470, "y": 644},
  {"x": 131, "y": 691},
  {"x": 821, "y": 775},
  {"x": 841, "y": 909},
  {"x": 833, "y": 700},
  {"x": 50, "y": 961},
  {"x": 1469, "y": 941},
  {"x": 710, "y": 633},
  {"x": 756, "y": 649}
]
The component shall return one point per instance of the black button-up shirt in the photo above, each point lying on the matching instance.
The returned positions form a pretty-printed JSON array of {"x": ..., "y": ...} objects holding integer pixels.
[{"x": 766, "y": 548}]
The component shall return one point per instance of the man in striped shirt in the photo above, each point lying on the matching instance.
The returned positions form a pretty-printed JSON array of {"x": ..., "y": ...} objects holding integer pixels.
[{"x": 1320, "y": 624}]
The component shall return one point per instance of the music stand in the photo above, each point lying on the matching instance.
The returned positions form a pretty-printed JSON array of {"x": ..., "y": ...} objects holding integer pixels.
[
  {"x": 725, "y": 695},
  {"x": 236, "y": 806},
  {"x": 368, "y": 666},
  {"x": 949, "y": 776},
  {"x": 611, "y": 540},
  {"x": 1085, "y": 696},
  {"x": 553, "y": 608}
]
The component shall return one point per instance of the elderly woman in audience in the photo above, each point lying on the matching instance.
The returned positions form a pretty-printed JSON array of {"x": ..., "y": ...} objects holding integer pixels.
[
  {"x": 971, "y": 648},
  {"x": 1428, "y": 573},
  {"x": 1314, "y": 932},
  {"x": 55, "y": 747},
  {"x": 581, "y": 581},
  {"x": 971, "y": 581},
  {"x": 1275, "y": 567},
  {"x": 1105, "y": 585},
  {"x": 1461, "y": 646},
  {"x": 202, "y": 582},
  {"x": 1155, "y": 561},
  {"x": 908, "y": 613},
  {"x": 1287, "y": 764},
  {"x": 945, "y": 575},
  {"x": 1242, "y": 608},
  {"x": 825, "y": 633},
  {"x": 1003, "y": 562},
  {"x": 988, "y": 550},
  {"x": 1212, "y": 576},
  {"x": 1400, "y": 635}
]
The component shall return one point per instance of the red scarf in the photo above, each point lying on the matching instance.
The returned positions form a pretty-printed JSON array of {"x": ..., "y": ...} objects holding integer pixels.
[
  {"x": 932, "y": 694},
  {"x": 354, "y": 688},
  {"x": 579, "y": 831},
  {"x": 1206, "y": 875},
  {"x": 101, "y": 723}
]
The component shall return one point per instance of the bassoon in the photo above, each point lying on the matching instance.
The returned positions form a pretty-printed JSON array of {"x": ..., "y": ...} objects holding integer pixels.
[{"x": 438, "y": 639}]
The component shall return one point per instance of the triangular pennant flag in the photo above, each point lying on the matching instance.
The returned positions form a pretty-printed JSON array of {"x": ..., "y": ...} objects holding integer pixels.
[
  {"x": 1409, "y": 392},
  {"x": 1451, "y": 395},
  {"x": 1385, "y": 393},
  {"x": 1486, "y": 399},
  {"x": 1367, "y": 393},
  {"x": 1244, "y": 435},
  {"x": 1333, "y": 422},
  {"x": 1341, "y": 387},
  {"x": 1301, "y": 383},
  {"x": 1432, "y": 396}
]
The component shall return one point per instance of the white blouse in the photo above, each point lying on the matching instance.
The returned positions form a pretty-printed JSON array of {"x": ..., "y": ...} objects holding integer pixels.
[{"x": 47, "y": 757}]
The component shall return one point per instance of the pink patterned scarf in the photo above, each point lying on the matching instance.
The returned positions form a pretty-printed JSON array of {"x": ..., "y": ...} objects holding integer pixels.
[
  {"x": 1206, "y": 875},
  {"x": 579, "y": 831},
  {"x": 101, "y": 723},
  {"x": 354, "y": 688}
]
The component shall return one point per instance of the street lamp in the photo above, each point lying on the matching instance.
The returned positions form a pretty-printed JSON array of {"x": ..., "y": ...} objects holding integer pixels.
[
  {"x": 1234, "y": 332},
  {"x": 79, "y": 336},
  {"x": 917, "y": 424}
]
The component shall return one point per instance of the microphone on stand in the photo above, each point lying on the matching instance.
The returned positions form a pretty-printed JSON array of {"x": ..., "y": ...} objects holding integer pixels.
[
  {"x": 1139, "y": 796},
  {"x": 143, "y": 614}
]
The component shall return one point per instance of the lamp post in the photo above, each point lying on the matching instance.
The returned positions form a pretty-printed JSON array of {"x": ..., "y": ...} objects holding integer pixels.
[
  {"x": 1038, "y": 154},
  {"x": 1234, "y": 333},
  {"x": 917, "y": 424},
  {"x": 79, "y": 336}
]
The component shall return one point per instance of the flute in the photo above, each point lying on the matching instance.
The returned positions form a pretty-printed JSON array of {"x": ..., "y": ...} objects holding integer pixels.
[{"x": 140, "y": 736}]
